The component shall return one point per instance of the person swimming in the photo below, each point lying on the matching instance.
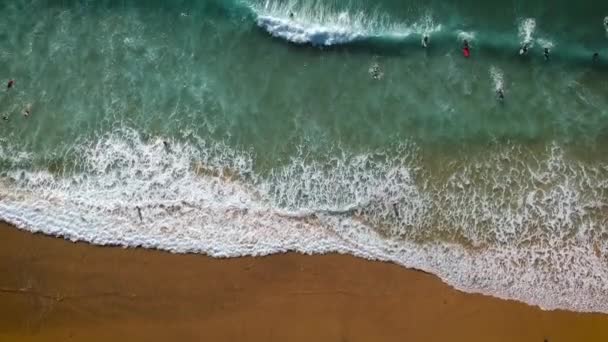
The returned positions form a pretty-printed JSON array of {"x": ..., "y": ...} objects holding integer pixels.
[
  {"x": 466, "y": 50},
  {"x": 10, "y": 84},
  {"x": 596, "y": 57},
  {"x": 546, "y": 54},
  {"x": 524, "y": 49},
  {"x": 425, "y": 41},
  {"x": 290, "y": 15},
  {"x": 27, "y": 111},
  {"x": 500, "y": 94}
]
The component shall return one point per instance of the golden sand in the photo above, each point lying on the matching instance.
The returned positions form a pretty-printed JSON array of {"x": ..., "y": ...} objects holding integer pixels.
[{"x": 55, "y": 290}]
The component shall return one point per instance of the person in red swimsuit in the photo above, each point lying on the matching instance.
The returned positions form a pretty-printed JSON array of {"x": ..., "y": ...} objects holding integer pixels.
[{"x": 466, "y": 50}]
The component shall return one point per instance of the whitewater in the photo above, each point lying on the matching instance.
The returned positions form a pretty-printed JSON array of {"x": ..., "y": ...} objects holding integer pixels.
[{"x": 535, "y": 241}]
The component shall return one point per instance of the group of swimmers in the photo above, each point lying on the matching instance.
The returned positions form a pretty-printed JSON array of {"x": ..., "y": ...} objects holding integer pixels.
[
  {"x": 28, "y": 108},
  {"x": 466, "y": 49}
]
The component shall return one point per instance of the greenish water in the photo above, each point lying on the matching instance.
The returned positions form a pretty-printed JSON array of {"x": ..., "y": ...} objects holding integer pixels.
[{"x": 233, "y": 128}]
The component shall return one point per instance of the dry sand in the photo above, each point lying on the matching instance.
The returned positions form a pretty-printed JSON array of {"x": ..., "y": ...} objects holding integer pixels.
[{"x": 54, "y": 290}]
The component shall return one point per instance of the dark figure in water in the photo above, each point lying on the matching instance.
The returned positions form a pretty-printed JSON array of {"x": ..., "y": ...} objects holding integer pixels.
[
  {"x": 524, "y": 49},
  {"x": 466, "y": 50},
  {"x": 139, "y": 213},
  {"x": 425, "y": 41},
  {"x": 546, "y": 54},
  {"x": 596, "y": 57},
  {"x": 10, "y": 84},
  {"x": 290, "y": 15},
  {"x": 500, "y": 94}
]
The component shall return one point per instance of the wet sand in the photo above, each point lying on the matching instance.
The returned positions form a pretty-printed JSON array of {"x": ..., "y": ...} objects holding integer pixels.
[{"x": 55, "y": 290}]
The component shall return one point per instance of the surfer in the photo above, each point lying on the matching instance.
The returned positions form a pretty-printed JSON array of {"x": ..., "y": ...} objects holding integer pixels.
[
  {"x": 524, "y": 49},
  {"x": 596, "y": 57},
  {"x": 466, "y": 50},
  {"x": 425, "y": 41},
  {"x": 10, "y": 84},
  {"x": 546, "y": 54}
]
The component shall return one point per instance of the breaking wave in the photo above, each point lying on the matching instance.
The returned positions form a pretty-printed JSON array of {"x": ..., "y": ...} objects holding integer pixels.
[{"x": 511, "y": 223}]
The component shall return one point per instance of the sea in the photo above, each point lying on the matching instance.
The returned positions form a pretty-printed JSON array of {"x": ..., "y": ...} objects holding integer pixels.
[{"x": 252, "y": 127}]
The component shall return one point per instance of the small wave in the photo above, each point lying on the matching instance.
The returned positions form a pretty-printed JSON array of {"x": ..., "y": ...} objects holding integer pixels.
[
  {"x": 326, "y": 26},
  {"x": 302, "y": 33}
]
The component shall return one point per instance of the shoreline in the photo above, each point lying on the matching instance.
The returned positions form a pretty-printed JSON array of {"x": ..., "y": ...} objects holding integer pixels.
[{"x": 53, "y": 289}]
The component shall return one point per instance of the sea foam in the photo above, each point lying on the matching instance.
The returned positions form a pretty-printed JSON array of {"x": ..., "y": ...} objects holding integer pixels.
[
  {"x": 326, "y": 26},
  {"x": 513, "y": 224}
]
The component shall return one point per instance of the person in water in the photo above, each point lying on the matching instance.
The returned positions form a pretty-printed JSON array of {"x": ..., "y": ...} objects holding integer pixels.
[
  {"x": 546, "y": 54},
  {"x": 290, "y": 15},
  {"x": 466, "y": 50},
  {"x": 28, "y": 110},
  {"x": 425, "y": 41},
  {"x": 524, "y": 49},
  {"x": 10, "y": 84},
  {"x": 500, "y": 94},
  {"x": 596, "y": 57}
]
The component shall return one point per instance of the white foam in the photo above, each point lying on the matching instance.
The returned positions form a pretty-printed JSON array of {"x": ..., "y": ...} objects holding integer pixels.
[
  {"x": 304, "y": 33},
  {"x": 534, "y": 220},
  {"x": 326, "y": 26},
  {"x": 497, "y": 78},
  {"x": 526, "y": 31},
  {"x": 545, "y": 43},
  {"x": 465, "y": 35}
]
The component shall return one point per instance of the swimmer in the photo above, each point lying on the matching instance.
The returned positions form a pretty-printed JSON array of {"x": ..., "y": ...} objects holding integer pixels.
[
  {"x": 376, "y": 71},
  {"x": 524, "y": 49},
  {"x": 546, "y": 54},
  {"x": 596, "y": 57},
  {"x": 10, "y": 84},
  {"x": 290, "y": 15},
  {"x": 396, "y": 210},
  {"x": 139, "y": 213},
  {"x": 27, "y": 111},
  {"x": 466, "y": 50},
  {"x": 425, "y": 41},
  {"x": 500, "y": 94},
  {"x": 5, "y": 117}
]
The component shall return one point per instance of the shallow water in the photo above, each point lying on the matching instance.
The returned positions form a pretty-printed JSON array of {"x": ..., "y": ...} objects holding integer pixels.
[{"x": 230, "y": 128}]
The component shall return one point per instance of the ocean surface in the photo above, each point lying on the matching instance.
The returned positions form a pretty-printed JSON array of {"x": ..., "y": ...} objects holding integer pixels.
[{"x": 233, "y": 128}]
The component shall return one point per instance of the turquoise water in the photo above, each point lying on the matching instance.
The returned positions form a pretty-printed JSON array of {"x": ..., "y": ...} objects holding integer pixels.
[{"x": 232, "y": 128}]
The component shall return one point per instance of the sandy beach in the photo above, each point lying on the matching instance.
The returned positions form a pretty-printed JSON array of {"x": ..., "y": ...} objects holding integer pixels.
[{"x": 55, "y": 290}]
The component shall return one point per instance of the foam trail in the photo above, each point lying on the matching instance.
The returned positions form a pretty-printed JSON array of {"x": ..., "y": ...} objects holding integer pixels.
[
  {"x": 497, "y": 78},
  {"x": 535, "y": 223},
  {"x": 526, "y": 31}
]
